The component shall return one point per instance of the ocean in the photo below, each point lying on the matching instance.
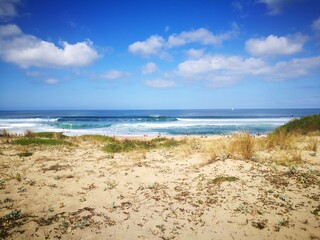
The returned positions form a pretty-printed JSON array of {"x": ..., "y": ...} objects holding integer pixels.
[{"x": 150, "y": 122}]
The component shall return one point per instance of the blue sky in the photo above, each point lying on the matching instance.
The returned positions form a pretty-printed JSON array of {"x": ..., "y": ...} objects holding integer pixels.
[{"x": 159, "y": 54}]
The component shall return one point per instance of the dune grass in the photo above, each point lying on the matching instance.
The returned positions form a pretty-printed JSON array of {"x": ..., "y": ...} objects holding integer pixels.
[
  {"x": 39, "y": 141},
  {"x": 52, "y": 135},
  {"x": 304, "y": 125},
  {"x": 97, "y": 138},
  {"x": 281, "y": 139},
  {"x": 127, "y": 145},
  {"x": 5, "y": 133},
  {"x": 242, "y": 146}
]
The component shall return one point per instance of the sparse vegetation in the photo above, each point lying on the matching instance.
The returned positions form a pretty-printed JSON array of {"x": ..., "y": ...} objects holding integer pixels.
[
  {"x": 40, "y": 141},
  {"x": 5, "y": 133},
  {"x": 219, "y": 180},
  {"x": 127, "y": 145},
  {"x": 16, "y": 176},
  {"x": 29, "y": 134},
  {"x": 25, "y": 154},
  {"x": 2, "y": 183},
  {"x": 52, "y": 135}
]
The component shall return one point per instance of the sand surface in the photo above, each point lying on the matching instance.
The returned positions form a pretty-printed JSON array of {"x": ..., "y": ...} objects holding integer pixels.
[{"x": 82, "y": 192}]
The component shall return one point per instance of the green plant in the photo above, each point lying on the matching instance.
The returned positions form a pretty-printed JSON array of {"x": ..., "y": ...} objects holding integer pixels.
[
  {"x": 25, "y": 154},
  {"x": 40, "y": 141},
  {"x": 219, "y": 180},
  {"x": 303, "y": 125},
  {"x": 55, "y": 135},
  {"x": 21, "y": 189},
  {"x": 17, "y": 177},
  {"x": 98, "y": 138},
  {"x": 2, "y": 184},
  {"x": 127, "y": 145},
  {"x": 13, "y": 215},
  {"x": 112, "y": 148}
]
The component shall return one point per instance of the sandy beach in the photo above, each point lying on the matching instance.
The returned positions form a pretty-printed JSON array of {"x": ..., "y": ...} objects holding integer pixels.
[{"x": 196, "y": 190}]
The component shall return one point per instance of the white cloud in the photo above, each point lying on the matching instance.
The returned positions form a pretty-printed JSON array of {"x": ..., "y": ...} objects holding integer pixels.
[
  {"x": 167, "y": 28},
  {"x": 114, "y": 74},
  {"x": 150, "y": 46},
  {"x": 195, "y": 53},
  {"x": 156, "y": 45},
  {"x": 294, "y": 68},
  {"x": 220, "y": 70},
  {"x": 27, "y": 50},
  {"x": 149, "y": 68},
  {"x": 159, "y": 83},
  {"x": 220, "y": 63},
  {"x": 8, "y": 8},
  {"x": 275, "y": 7},
  {"x": 51, "y": 81},
  {"x": 274, "y": 45},
  {"x": 202, "y": 36},
  {"x": 9, "y": 30}
]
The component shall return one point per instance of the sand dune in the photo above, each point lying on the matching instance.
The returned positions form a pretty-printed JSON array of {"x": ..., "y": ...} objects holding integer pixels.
[{"x": 82, "y": 192}]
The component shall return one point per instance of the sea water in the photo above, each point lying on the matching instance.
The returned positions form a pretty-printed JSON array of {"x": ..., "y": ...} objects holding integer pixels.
[{"x": 150, "y": 122}]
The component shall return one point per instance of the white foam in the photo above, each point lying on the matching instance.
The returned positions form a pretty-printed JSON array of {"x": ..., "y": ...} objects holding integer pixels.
[
  {"x": 29, "y": 120},
  {"x": 235, "y": 120}
]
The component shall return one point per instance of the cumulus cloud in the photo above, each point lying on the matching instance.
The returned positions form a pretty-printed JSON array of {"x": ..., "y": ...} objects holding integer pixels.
[
  {"x": 220, "y": 70},
  {"x": 195, "y": 53},
  {"x": 27, "y": 50},
  {"x": 220, "y": 63},
  {"x": 149, "y": 68},
  {"x": 8, "y": 8},
  {"x": 114, "y": 74},
  {"x": 157, "y": 45},
  {"x": 51, "y": 81},
  {"x": 150, "y": 46},
  {"x": 159, "y": 83},
  {"x": 202, "y": 36},
  {"x": 275, "y": 45},
  {"x": 293, "y": 68}
]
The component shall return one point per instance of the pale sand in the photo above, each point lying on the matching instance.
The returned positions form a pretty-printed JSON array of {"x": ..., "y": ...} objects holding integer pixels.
[{"x": 82, "y": 192}]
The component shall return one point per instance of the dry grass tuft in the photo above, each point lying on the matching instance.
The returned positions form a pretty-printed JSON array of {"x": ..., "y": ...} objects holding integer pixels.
[
  {"x": 5, "y": 133},
  {"x": 282, "y": 140},
  {"x": 287, "y": 157},
  {"x": 312, "y": 144},
  {"x": 242, "y": 146},
  {"x": 29, "y": 134}
]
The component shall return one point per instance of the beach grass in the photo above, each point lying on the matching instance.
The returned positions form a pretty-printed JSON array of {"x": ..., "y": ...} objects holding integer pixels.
[
  {"x": 242, "y": 145},
  {"x": 304, "y": 125},
  {"x": 39, "y": 141},
  {"x": 127, "y": 145},
  {"x": 97, "y": 138},
  {"x": 54, "y": 135}
]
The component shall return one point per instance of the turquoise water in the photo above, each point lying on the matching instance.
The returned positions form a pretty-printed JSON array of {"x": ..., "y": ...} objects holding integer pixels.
[{"x": 150, "y": 122}]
